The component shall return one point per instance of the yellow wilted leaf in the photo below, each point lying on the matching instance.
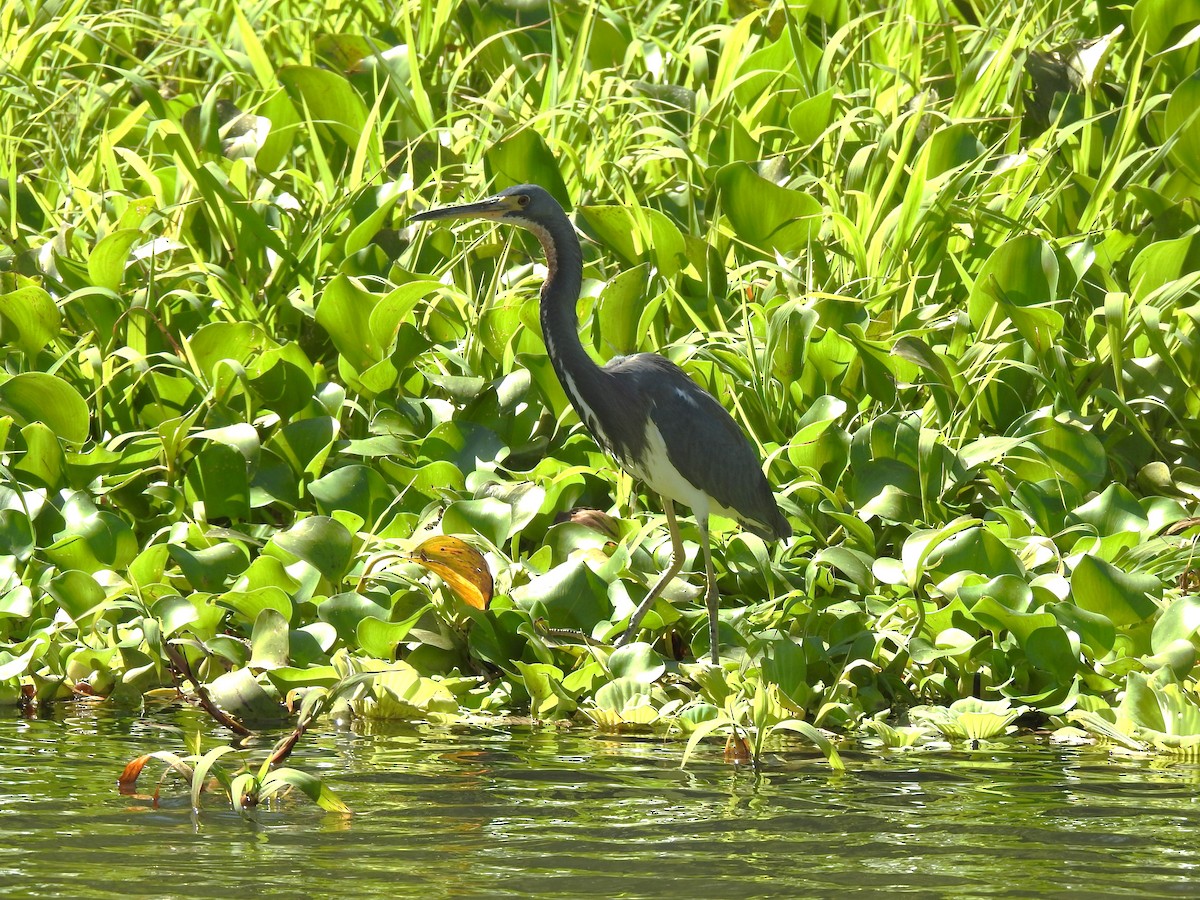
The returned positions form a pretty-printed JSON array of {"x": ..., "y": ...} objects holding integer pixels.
[{"x": 460, "y": 565}]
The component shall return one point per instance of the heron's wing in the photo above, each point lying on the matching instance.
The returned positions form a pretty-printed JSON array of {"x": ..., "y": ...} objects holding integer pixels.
[{"x": 703, "y": 441}]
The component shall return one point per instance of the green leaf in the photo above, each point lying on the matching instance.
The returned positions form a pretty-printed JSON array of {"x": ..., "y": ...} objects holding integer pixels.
[
  {"x": 524, "y": 158},
  {"x": 106, "y": 262},
  {"x": 637, "y": 662},
  {"x": 331, "y": 103},
  {"x": 345, "y": 311},
  {"x": 321, "y": 542},
  {"x": 1019, "y": 281},
  {"x": 380, "y": 639},
  {"x": 269, "y": 642},
  {"x": 34, "y": 316},
  {"x": 765, "y": 215},
  {"x": 638, "y": 234},
  {"x": 1123, "y": 597},
  {"x": 40, "y": 397},
  {"x": 240, "y": 695}
]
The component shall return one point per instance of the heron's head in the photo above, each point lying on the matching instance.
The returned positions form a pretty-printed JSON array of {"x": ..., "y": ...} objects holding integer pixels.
[{"x": 526, "y": 205}]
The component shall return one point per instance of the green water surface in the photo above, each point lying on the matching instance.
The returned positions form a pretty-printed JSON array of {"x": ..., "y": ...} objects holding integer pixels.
[{"x": 541, "y": 812}]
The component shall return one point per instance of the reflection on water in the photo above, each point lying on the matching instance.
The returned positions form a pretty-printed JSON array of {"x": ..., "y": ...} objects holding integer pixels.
[{"x": 547, "y": 813}]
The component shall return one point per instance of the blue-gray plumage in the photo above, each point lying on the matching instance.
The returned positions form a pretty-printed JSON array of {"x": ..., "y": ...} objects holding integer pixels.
[{"x": 661, "y": 426}]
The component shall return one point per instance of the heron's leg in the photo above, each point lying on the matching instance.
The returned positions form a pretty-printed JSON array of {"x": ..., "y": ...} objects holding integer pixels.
[
  {"x": 663, "y": 580},
  {"x": 711, "y": 598}
]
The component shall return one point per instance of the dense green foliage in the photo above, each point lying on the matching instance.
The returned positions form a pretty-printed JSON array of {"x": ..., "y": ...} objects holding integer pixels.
[{"x": 940, "y": 259}]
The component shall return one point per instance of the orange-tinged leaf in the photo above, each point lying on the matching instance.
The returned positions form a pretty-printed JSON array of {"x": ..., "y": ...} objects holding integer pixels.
[
  {"x": 129, "y": 775},
  {"x": 737, "y": 750},
  {"x": 460, "y": 565}
]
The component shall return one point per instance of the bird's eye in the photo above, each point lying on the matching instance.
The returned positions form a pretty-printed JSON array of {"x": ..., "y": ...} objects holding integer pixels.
[{"x": 523, "y": 200}]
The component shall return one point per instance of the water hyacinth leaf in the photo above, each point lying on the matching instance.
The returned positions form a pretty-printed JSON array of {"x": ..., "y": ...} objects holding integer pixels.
[
  {"x": 524, "y": 158},
  {"x": 323, "y": 543},
  {"x": 1114, "y": 511},
  {"x": 269, "y": 642},
  {"x": 239, "y": 694},
  {"x": 1180, "y": 621},
  {"x": 380, "y": 639},
  {"x": 568, "y": 596},
  {"x": 622, "y": 694},
  {"x": 305, "y": 444},
  {"x": 543, "y": 683},
  {"x": 765, "y": 215},
  {"x": 209, "y": 568},
  {"x": 461, "y": 566},
  {"x": 250, "y": 605},
  {"x": 237, "y": 341},
  {"x": 40, "y": 397},
  {"x": 620, "y": 306},
  {"x": 637, "y": 661},
  {"x": 106, "y": 262},
  {"x": 396, "y": 307},
  {"x": 91, "y": 539},
  {"x": 1184, "y": 126},
  {"x": 809, "y": 118},
  {"x": 487, "y": 517},
  {"x": 174, "y": 612},
  {"x": 76, "y": 592},
  {"x": 217, "y": 481},
  {"x": 344, "y": 611},
  {"x": 1123, "y": 597},
  {"x": 34, "y": 316},
  {"x": 1058, "y": 450},
  {"x": 1019, "y": 281},
  {"x": 638, "y": 235},
  {"x": 357, "y": 489},
  {"x": 43, "y": 459},
  {"x": 345, "y": 311},
  {"x": 329, "y": 100}
]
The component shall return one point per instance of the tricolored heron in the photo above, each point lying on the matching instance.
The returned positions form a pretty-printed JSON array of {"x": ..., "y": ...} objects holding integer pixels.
[{"x": 659, "y": 425}]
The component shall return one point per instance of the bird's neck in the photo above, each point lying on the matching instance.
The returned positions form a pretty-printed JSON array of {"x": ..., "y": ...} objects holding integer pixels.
[{"x": 560, "y": 295}]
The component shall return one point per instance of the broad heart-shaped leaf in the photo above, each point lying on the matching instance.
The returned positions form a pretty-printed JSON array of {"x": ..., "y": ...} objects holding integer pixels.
[
  {"x": 106, "y": 262},
  {"x": 41, "y": 397},
  {"x": 240, "y": 695},
  {"x": 568, "y": 596},
  {"x": 345, "y": 312},
  {"x": 524, "y": 158},
  {"x": 765, "y": 215},
  {"x": 380, "y": 638},
  {"x": 1124, "y": 597},
  {"x": 238, "y": 341},
  {"x": 1112, "y": 512},
  {"x": 344, "y": 611},
  {"x": 1164, "y": 262},
  {"x": 33, "y": 314},
  {"x": 638, "y": 235},
  {"x": 637, "y": 661},
  {"x": 269, "y": 641},
  {"x": 331, "y": 103},
  {"x": 621, "y": 303},
  {"x": 323, "y": 543},
  {"x": 461, "y": 566},
  {"x": 1057, "y": 450},
  {"x": 1019, "y": 281},
  {"x": 218, "y": 478},
  {"x": 1180, "y": 622},
  {"x": 1183, "y": 124},
  {"x": 486, "y": 516},
  {"x": 357, "y": 489}
]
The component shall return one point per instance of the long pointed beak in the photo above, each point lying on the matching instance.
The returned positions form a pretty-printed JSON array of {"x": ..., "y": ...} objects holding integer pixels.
[{"x": 491, "y": 208}]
